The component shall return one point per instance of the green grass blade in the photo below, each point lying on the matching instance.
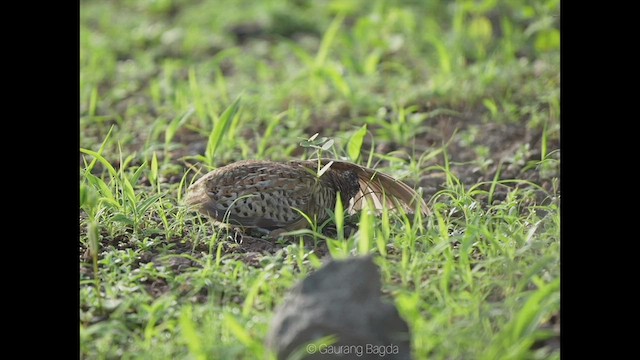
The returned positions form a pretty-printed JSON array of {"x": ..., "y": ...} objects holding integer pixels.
[
  {"x": 327, "y": 41},
  {"x": 252, "y": 294},
  {"x": 190, "y": 334},
  {"x": 146, "y": 203},
  {"x": 220, "y": 129},
  {"x": 339, "y": 217},
  {"x": 102, "y": 160},
  {"x": 239, "y": 332},
  {"x": 153, "y": 172},
  {"x": 100, "y": 185},
  {"x": 175, "y": 124},
  {"x": 268, "y": 133},
  {"x": 543, "y": 145},
  {"x": 443, "y": 54},
  {"x": 93, "y": 233},
  {"x": 354, "y": 146},
  {"x": 528, "y": 316},
  {"x": 93, "y": 101},
  {"x": 366, "y": 232},
  {"x": 137, "y": 174},
  {"x": 129, "y": 193},
  {"x": 100, "y": 150},
  {"x": 337, "y": 79},
  {"x": 317, "y": 346},
  {"x": 196, "y": 93},
  {"x": 494, "y": 183}
]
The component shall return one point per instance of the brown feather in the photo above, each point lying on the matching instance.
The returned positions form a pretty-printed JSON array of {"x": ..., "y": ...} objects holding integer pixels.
[
  {"x": 381, "y": 189},
  {"x": 266, "y": 194}
]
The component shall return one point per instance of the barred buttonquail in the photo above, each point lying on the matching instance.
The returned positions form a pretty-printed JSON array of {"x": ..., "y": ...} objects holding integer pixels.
[{"x": 263, "y": 194}]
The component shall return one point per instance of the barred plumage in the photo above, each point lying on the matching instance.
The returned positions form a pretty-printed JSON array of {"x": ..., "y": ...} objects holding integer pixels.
[{"x": 266, "y": 194}]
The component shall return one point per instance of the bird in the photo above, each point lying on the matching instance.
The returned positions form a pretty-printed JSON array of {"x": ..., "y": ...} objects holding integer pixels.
[{"x": 270, "y": 196}]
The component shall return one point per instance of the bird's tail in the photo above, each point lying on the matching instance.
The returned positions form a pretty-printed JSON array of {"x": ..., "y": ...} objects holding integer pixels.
[{"x": 380, "y": 189}]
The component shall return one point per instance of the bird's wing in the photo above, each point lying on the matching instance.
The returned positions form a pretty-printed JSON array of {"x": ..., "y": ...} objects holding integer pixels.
[{"x": 381, "y": 190}]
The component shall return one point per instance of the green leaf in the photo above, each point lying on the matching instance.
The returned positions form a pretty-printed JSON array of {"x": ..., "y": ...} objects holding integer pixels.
[{"x": 354, "y": 146}]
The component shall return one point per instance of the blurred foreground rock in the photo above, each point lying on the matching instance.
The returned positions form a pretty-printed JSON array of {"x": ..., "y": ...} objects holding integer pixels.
[{"x": 342, "y": 299}]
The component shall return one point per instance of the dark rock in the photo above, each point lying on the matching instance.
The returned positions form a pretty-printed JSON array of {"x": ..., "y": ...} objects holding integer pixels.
[{"x": 341, "y": 299}]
